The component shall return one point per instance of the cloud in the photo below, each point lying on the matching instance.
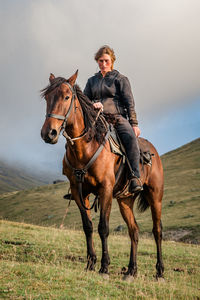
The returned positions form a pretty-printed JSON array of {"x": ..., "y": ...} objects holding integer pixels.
[{"x": 157, "y": 44}]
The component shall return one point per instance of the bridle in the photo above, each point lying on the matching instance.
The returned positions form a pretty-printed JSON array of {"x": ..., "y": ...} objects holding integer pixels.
[
  {"x": 60, "y": 117},
  {"x": 65, "y": 118},
  {"x": 80, "y": 173}
]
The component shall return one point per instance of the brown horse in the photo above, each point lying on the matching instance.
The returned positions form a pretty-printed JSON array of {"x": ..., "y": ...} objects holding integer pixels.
[{"x": 69, "y": 109}]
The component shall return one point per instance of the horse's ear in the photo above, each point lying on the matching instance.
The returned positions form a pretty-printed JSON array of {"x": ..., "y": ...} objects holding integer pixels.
[
  {"x": 72, "y": 79},
  {"x": 51, "y": 77}
]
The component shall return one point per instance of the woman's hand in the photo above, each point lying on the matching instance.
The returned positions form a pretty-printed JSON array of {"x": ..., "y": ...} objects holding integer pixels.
[
  {"x": 136, "y": 130},
  {"x": 98, "y": 105}
]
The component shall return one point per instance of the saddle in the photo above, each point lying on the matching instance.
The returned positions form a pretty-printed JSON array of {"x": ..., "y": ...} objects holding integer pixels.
[{"x": 117, "y": 148}]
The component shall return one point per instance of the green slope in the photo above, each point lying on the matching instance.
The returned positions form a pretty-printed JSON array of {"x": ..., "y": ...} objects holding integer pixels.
[
  {"x": 45, "y": 205},
  {"x": 48, "y": 263},
  {"x": 181, "y": 205}
]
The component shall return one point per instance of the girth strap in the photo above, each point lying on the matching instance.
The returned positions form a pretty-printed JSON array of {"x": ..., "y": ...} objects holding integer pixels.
[{"x": 80, "y": 173}]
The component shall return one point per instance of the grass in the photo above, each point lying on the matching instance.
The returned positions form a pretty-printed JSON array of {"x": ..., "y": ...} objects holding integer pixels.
[
  {"x": 45, "y": 205},
  {"x": 181, "y": 203},
  {"x": 48, "y": 263}
]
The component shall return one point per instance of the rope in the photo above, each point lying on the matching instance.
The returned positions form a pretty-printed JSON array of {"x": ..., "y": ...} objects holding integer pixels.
[{"x": 66, "y": 211}]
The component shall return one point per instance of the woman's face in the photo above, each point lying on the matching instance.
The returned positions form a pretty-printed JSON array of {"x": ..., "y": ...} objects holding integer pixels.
[{"x": 105, "y": 63}]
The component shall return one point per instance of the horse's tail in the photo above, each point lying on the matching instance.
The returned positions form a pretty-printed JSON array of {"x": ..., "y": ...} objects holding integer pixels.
[{"x": 142, "y": 202}]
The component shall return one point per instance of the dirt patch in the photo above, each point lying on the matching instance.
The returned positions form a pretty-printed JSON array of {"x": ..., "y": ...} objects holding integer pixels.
[
  {"x": 75, "y": 258},
  {"x": 176, "y": 235}
]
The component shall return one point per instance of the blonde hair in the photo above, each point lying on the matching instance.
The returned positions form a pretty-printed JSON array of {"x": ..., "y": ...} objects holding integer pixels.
[{"x": 105, "y": 50}]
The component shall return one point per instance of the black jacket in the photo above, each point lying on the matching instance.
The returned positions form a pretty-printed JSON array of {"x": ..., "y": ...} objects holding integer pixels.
[{"x": 114, "y": 92}]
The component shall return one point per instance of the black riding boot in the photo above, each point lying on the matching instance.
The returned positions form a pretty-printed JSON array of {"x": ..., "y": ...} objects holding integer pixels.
[
  {"x": 129, "y": 141},
  {"x": 135, "y": 186}
]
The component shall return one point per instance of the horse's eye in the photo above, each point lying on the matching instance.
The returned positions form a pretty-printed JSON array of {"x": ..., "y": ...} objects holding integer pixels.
[{"x": 67, "y": 97}]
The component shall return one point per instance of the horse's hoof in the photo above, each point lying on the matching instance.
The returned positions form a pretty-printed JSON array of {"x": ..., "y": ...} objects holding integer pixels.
[
  {"x": 128, "y": 278},
  {"x": 90, "y": 267},
  {"x": 89, "y": 270},
  {"x": 91, "y": 263},
  {"x": 105, "y": 276}
]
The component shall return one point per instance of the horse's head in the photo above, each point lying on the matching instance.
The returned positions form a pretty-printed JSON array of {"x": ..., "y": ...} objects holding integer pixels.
[{"x": 59, "y": 95}]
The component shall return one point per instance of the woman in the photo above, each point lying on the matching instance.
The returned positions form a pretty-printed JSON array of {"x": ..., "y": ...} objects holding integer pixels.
[{"x": 111, "y": 91}]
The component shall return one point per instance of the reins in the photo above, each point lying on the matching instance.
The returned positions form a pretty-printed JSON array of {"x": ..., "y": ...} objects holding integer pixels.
[{"x": 71, "y": 140}]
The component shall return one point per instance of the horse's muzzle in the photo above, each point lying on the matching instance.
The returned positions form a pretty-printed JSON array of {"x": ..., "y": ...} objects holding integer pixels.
[{"x": 50, "y": 137}]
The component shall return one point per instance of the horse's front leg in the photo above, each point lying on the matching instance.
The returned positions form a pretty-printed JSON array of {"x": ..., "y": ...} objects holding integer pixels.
[
  {"x": 88, "y": 230},
  {"x": 103, "y": 227}
]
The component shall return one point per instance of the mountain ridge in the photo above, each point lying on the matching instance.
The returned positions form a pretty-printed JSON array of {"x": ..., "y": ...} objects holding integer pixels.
[{"x": 14, "y": 178}]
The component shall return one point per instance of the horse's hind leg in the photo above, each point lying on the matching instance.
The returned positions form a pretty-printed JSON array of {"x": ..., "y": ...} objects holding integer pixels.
[
  {"x": 157, "y": 232},
  {"x": 88, "y": 230},
  {"x": 126, "y": 208},
  {"x": 155, "y": 200}
]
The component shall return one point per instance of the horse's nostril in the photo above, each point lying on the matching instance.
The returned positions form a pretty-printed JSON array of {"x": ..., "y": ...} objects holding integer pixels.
[{"x": 53, "y": 133}]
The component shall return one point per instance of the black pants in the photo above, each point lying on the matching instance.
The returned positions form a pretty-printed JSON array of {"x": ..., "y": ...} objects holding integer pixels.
[{"x": 129, "y": 141}]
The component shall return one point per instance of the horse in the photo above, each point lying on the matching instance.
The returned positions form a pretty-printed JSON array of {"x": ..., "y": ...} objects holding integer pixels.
[{"x": 91, "y": 168}]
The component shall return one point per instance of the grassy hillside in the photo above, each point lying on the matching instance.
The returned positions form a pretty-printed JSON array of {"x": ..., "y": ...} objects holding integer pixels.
[
  {"x": 48, "y": 263},
  {"x": 16, "y": 178},
  {"x": 181, "y": 205},
  {"x": 45, "y": 205}
]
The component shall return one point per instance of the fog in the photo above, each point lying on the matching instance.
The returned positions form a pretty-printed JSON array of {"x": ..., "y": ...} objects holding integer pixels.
[{"x": 157, "y": 45}]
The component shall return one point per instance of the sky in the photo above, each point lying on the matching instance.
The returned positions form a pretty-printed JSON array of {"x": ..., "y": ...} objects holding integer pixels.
[{"x": 157, "y": 46}]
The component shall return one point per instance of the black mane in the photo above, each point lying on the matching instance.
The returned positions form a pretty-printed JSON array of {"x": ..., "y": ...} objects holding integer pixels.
[
  {"x": 55, "y": 83},
  {"x": 98, "y": 130}
]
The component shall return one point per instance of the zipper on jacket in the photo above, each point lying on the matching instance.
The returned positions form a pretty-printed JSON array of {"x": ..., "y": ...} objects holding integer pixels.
[{"x": 100, "y": 89}]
